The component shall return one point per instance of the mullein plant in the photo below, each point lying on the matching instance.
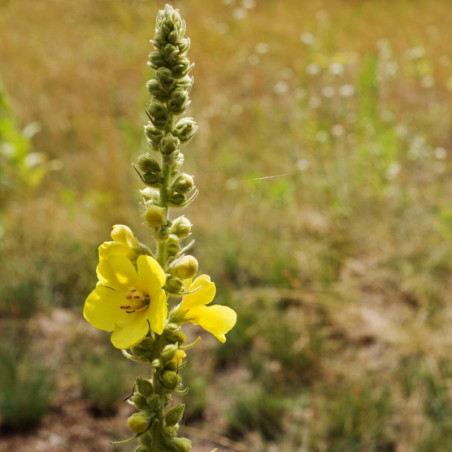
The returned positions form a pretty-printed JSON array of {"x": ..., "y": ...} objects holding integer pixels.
[{"x": 145, "y": 294}]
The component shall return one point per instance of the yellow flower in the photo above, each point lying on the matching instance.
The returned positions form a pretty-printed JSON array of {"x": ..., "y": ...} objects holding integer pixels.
[
  {"x": 216, "y": 319},
  {"x": 126, "y": 300},
  {"x": 124, "y": 242}
]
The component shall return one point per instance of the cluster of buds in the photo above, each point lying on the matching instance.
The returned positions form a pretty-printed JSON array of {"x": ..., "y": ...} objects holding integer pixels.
[
  {"x": 147, "y": 423},
  {"x": 167, "y": 186}
]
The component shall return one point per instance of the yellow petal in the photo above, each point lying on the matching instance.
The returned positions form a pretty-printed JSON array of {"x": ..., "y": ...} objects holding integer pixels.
[
  {"x": 158, "y": 312},
  {"x": 130, "y": 332},
  {"x": 116, "y": 271},
  {"x": 216, "y": 319},
  {"x": 123, "y": 234},
  {"x": 202, "y": 296},
  {"x": 109, "y": 248},
  {"x": 151, "y": 276},
  {"x": 103, "y": 308}
]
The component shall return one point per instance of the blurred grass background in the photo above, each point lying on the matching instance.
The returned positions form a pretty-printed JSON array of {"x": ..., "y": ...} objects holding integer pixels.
[{"x": 325, "y": 216}]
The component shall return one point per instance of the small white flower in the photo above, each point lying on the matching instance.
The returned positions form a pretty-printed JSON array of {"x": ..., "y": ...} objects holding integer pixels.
[
  {"x": 307, "y": 38},
  {"x": 347, "y": 90}
]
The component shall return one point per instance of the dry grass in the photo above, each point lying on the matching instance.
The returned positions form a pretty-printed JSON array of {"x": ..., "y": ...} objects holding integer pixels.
[{"x": 346, "y": 250}]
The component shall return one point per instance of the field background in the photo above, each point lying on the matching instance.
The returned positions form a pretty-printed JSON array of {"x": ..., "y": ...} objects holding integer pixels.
[{"x": 324, "y": 164}]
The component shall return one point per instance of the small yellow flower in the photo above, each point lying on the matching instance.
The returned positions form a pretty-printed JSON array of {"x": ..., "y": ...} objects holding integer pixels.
[
  {"x": 179, "y": 357},
  {"x": 126, "y": 300},
  {"x": 216, "y": 319},
  {"x": 124, "y": 242}
]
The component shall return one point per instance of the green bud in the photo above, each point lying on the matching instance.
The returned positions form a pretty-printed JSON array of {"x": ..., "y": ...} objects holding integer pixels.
[
  {"x": 156, "y": 364},
  {"x": 173, "y": 245},
  {"x": 184, "y": 45},
  {"x": 173, "y": 333},
  {"x": 181, "y": 68},
  {"x": 168, "y": 353},
  {"x": 184, "y": 83},
  {"x": 181, "y": 227},
  {"x": 138, "y": 422},
  {"x": 169, "y": 144},
  {"x": 156, "y": 89},
  {"x": 148, "y": 165},
  {"x": 171, "y": 379},
  {"x": 144, "y": 386},
  {"x": 150, "y": 195},
  {"x": 178, "y": 315},
  {"x": 139, "y": 400},
  {"x": 179, "y": 444},
  {"x": 154, "y": 216},
  {"x": 183, "y": 183},
  {"x": 159, "y": 113},
  {"x": 174, "y": 415},
  {"x": 153, "y": 135},
  {"x": 176, "y": 159},
  {"x": 178, "y": 101},
  {"x": 170, "y": 52},
  {"x": 187, "y": 267},
  {"x": 152, "y": 179},
  {"x": 174, "y": 285},
  {"x": 164, "y": 77},
  {"x": 156, "y": 60},
  {"x": 185, "y": 129},
  {"x": 176, "y": 200}
]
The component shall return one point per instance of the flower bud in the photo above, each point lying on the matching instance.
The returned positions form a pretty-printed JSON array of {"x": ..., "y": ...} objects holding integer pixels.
[
  {"x": 144, "y": 386},
  {"x": 138, "y": 422},
  {"x": 153, "y": 135},
  {"x": 183, "y": 44},
  {"x": 123, "y": 234},
  {"x": 152, "y": 179},
  {"x": 173, "y": 245},
  {"x": 178, "y": 101},
  {"x": 164, "y": 76},
  {"x": 186, "y": 267},
  {"x": 170, "y": 51},
  {"x": 183, "y": 183},
  {"x": 184, "y": 83},
  {"x": 181, "y": 227},
  {"x": 139, "y": 400},
  {"x": 154, "y": 216},
  {"x": 150, "y": 195},
  {"x": 180, "y": 444},
  {"x": 174, "y": 285},
  {"x": 185, "y": 129},
  {"x": 181, "y": 68},
  {"x": 173, "y": 333},
  {"x": 171, "y": 379},
  {"x": 156, "y": 60},
  {"x": 168, "y": 353},
  {"x": 174, "y": 415},
  {"x": 159, "y": 113},
  {"x": 169, "y": 144},
  {"x": 155, "y": 89},
  {"x": 177, "y": 159},
  {"x": 148, "y": 165},
  {"x": 176, "y": 200}
]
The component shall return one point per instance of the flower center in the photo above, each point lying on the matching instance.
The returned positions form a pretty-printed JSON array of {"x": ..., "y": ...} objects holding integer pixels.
[{"x": 135, "y": 299}]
